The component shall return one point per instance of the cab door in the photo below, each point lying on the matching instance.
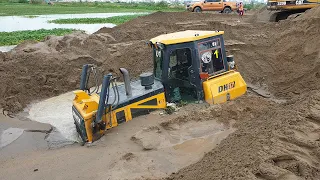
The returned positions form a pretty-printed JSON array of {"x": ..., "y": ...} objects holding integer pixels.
[
  {"x": 207, "y": 5},
  {"x": 179, "y": 84},
  {"x": 217, "y": 5}
]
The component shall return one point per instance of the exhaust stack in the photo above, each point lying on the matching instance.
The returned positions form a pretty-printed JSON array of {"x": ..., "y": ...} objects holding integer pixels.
[
  {"x": 84, "y": 76},
  {"x": 104, "y": 98},
  {"x": 126, "y": 78}
]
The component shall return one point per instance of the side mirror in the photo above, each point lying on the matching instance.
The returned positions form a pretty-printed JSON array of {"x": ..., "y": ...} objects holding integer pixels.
[
  {"x": 231, "y": 62},
  {"x": 204, "y": 1}
]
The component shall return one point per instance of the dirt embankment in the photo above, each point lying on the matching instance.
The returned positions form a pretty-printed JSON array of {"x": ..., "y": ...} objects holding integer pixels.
[{"x": 273, "y": 141}]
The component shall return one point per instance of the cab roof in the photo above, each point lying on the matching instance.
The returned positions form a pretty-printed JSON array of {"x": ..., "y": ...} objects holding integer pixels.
[{"x": 184, "y": 36}]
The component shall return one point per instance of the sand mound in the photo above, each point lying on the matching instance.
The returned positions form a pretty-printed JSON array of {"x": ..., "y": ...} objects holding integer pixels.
[
  {"x": 272, "y": 141},
  {"x": 286, "y": 60},
  {"x": 313, "y": 13},
  {"x": 262, "y": 15}
]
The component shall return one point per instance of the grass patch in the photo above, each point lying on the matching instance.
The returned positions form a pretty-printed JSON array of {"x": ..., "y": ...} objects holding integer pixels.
[
  {"x": 254, "y": 6},
  {"x": 30, "y": 16},
  {"x": 16, "y": 37},
  {"x": 19, "y": 9},
  {"x": 114, "y": 20}
]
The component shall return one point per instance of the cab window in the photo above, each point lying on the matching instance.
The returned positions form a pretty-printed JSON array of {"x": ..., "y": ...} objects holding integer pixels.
[
  {"x": 158, "y": 58},
  {"x": 180, "y": 61},
  {"x": 211, "y": 59}
]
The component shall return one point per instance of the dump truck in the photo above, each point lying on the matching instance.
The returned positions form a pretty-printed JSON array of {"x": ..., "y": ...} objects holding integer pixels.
[
  {"x": 282, "y": 9},
  {"x": 212, "y": 5},
  {"x": 188, "y": 66}
]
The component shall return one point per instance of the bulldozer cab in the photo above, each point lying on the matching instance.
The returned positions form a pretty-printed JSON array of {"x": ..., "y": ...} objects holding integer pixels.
[{"x": 183, "y": 60}]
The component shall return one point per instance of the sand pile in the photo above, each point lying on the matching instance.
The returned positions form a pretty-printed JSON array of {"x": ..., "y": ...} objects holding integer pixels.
[
  {"x": 262, "y": 15},
  {"x": 34, "y": 71},
  {"x": 313, "y": 13},
  {"x": 272, "y": 141},
  {"x": 285, "y": 60}
]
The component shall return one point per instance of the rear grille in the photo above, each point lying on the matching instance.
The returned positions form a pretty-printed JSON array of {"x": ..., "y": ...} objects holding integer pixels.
[
  {"x": 291, "y": 2},
  {"x": 272, "y": 3},
  {"x": 276, "y": 3}
]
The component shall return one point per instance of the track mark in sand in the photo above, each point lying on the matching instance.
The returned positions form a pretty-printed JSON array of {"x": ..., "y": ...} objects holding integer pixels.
[
  {"x": 284, "y": 167},
  {"x": 302, "y": 143},
  {"x": 286, "y": 176},
  {"x": 299, "y": 155},
  {"x": 283, "y": 158},
  {"x": 270, "y": 171},
  {"x": 313, "y": 120},
  {"x": 288, "y": 162},
  {"x": 313, "y": 135},
  {"x": 128, "y": 156}
]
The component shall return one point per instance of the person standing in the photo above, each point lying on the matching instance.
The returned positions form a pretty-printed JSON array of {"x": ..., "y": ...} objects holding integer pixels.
[{"x": 241, "y": 9}]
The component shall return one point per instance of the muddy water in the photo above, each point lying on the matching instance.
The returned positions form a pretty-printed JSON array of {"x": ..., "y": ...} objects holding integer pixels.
[
  {"x": 118, "y": 156},
  {"x": 190, "y": 137},
  {"x": 167, "y": 149},
  {"x": 57, "y": 112},
  {"x": 9, "y": 135}
]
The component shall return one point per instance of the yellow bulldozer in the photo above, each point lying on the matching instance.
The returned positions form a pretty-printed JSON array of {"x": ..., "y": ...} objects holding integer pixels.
[
  {"x": 285, "y": 8},
  {"x": 188, "y": 65}
]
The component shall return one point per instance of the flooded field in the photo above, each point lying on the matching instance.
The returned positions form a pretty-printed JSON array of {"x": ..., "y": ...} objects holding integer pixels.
[{"x": 19, "y": 23}]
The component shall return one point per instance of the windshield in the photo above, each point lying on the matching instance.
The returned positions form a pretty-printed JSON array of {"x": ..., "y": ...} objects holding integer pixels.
[
  {"x": 211, "y": 56},
  {"x": 158, "y": 57}
]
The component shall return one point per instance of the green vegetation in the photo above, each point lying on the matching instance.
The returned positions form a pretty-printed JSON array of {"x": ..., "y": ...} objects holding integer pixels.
[
  {"x": 9, "y": 9},
  {"x": 254, "y": 6},
  {"x": 30, "y": 16},
  {"x": 16, "y": 37},
  {"x": 115, "y": 20}
]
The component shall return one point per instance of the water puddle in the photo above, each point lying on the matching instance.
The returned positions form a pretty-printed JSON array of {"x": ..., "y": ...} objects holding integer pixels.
[
  {"x": 57, "y": 112},
  {"x": 166, "y": 149},
  {"x": 6, "y": 48},
  {"x": 9, "y": 135},
  {"x": 19, "y": 23}
]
